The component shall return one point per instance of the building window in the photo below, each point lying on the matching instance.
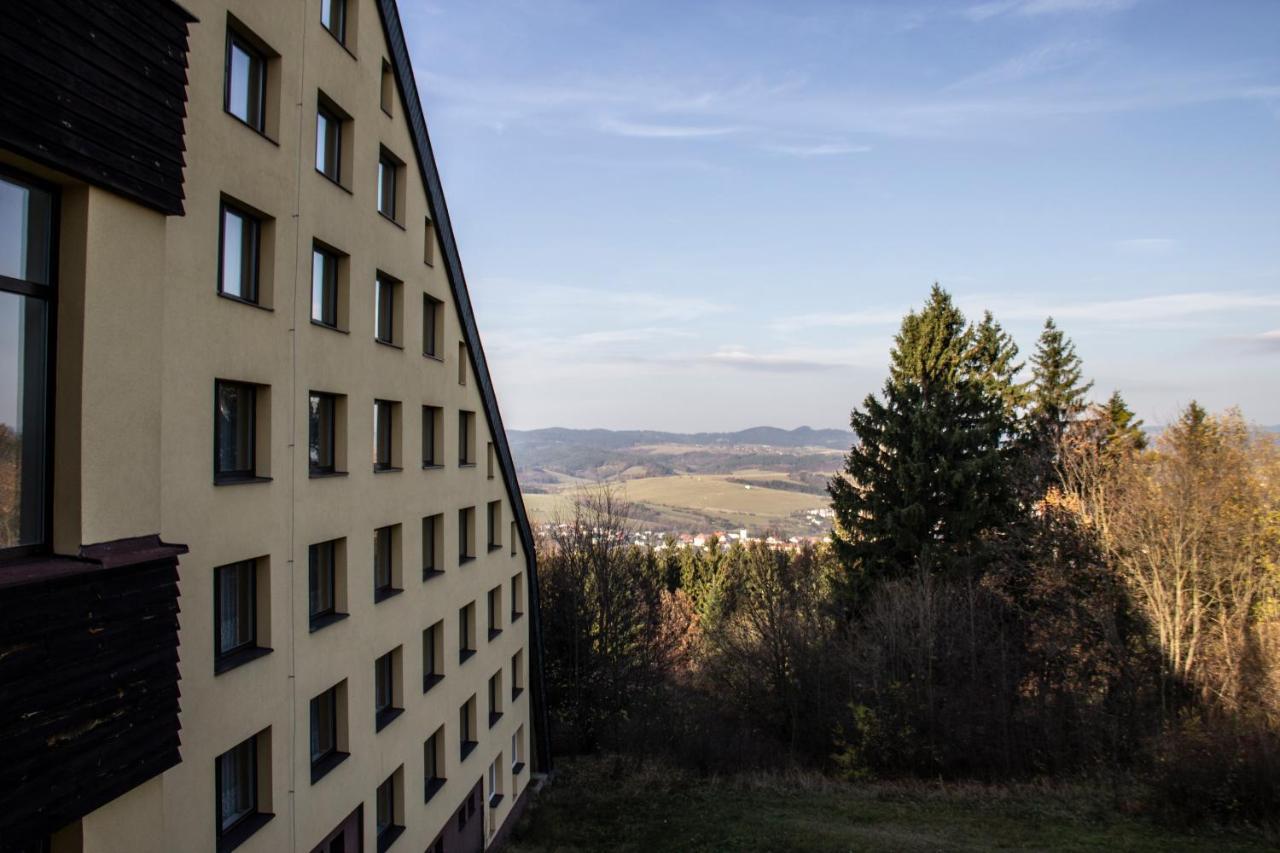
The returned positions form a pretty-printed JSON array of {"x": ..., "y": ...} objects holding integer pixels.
[
  {"x": 466, "y": 632},
  {"x": 326, "y": 732},
  {"x": 432, "y": 546},
  {"x": 387, "y": 310},
  {"x": 389, "y": 821},
  {"x": 466, "y": 534},
  {"x": 495, "y": 698},
  {"x": 326, "y": 594},
  {"x": 386, "y": 435},
  {"x": 386, "y": 562},
  {"x": 462, "y": 363},
  {"x": 432, "y": 325},
  {"x": 494, "y": 600},
  {"x": 432, "y": 437},
  {"x": 512, "y": 538},
  {"x": 466, "y": 438},
  {"x": 429, "y": 243},
  {"x": 333, "y": 15},
  {"x": 433, "y": 763},
  {"x": 27, "y": 228},
  {"x": 494, "y": 515},
  {"x": 329, "y": 144},
  {"x": 495, "y": 782},
  {"x": 517, "y": 597},
  {"x": 388, "y": 87},
  {"x": 322, "y": 444},
  {"x": 239, "y": 241},
  {"x": 490, "y": 460},
  {"x": 236, "y": 616},
  {"x": 432, "y": 656},
  {"x": 517, "y": 675},
  {"x": 389, "y": 169},
  {"x": 245, "y": 95},
  {"x": 467, "y": 726},
  {"x": 235, "y": 426},
  {"x": 517, "y": 755},
  {"x": 327, "y": 306},
  {"x": 387, "y": 688},
  {"x": 236, "y": 790}
]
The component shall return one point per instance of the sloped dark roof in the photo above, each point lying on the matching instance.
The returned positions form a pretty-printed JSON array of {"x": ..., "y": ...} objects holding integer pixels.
[{"x": 408, "y": 88}]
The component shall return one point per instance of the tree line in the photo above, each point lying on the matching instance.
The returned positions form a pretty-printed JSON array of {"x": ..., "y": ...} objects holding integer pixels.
[{"x": 1020, "y": 584}]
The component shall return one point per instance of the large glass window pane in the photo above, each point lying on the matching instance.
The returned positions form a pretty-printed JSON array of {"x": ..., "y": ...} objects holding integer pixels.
[
  {"x": 237, "y": 784},
  {"x": 384, "y": 310},
  {"x": 234, "y": 428},
  {"x": 26, "y": 227},
  {"x": 382, "y": 557},
  {"x": 324, "y": 287},
  {"x": 333, "y": 14},
  {"x": 324, "y": 722},
  {"x": 321, "y": 433},
  {"x": 386, "y": 796},
  {"x": 382, "y": 683},
  {"x": 23, "y": 400},
  {"x": 238, "y": 266},
  {"x": 322, "y": 569},
  {"x": 236, "y": 618},
  {"x": 387, "y": 187},
  {"x": 245, "y": 83},
  {"x": 328, "y": 145},
  {"x": 382, "y": 427}
]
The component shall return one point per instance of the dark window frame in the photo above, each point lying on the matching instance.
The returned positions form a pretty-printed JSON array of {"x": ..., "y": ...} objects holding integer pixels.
[
  {"x": 329, "y": 284},
  {"x": 48, "y": 294},
  {"x": 339, "y": 10},
  {"x": 431, "y": 769},
  {"x": 432, "y": 647},
  {"x": 258, "y": 57},
  {"x": 387, "y": 286},
  {"x": 238, "y": 831},
  {"x": 236, "y": 475},
  {"x": 384, "y": 557},
  {"x": 322, "y": 469},
  {"x": 333, "y": 126},
  {"x": 242, "y": 653},
  {"x": 389, "y": 167},
  {"x": 386, "y": 833},
  {"x": 318, "y": 619},
  {"x": 253, "y": 222},
  {"x": 431, "y": 335},
  {"x": 384, "y": 419},
  {"x": 328, "y": 758}
]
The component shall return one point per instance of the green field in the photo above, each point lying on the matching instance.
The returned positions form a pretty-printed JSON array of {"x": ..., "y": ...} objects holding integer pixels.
[
  {"x": 602, "y": 806},
  {"x": 698, "y": 502}
]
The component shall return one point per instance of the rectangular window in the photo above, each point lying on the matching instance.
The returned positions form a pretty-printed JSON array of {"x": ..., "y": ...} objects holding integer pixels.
[
  {"x": 517, "y": 675},
  {"x": 386, "y": 546},
  {"x": 324, "y": 287},
  {"x": 495, "y": 525},
  {"x": 432, "y": 656},
  {"x": 27, "y": 228},
  {"x": 517, "y": 755},
  {"x": 466, "y": 438},
  {"x": 467, "y": 726},
  {"x": 512, "y": 538},
  {"x": 322, "y": 433},
  {"x": 237, "y": 785},
  {"x": 432, "y": 546},
  {"x": 495, "y": 782},
  {"x": 432, "y": 325},
  {"x": 235, "y": 603},
  {"x": 234, "y": 431},
  {"x": 325, "y": 589},
  {"x": 466, "y": 534},
  {"x": 388, "y": 822},
  {"x": 429, "y": 243},
  {"x": 388, "y": 179},
  {"x": 382, "y": 683},
  {"x": 388, "y": 87},
  {"x": 333, "y": 15},
  {"x": 495, "y": 612},
  {"x": 433, "y": 762},
  {"x": 386, "y": 310},
  {"x": 329, "y": 144},
  {"x": 387, "y": 689},
  {"x": 517, "y": 597},
  {"x": 326, "y": 746},
  {"x": 239, "y": 241},
  {"x": 432, "y": 437},
  {"x": 385, "y": 434},
  {"x": 245, "y": 90},
  {"x": 466, "y": 631},
  {"x": 462, "y": 363},
  {"x": 495, "y": 698},
  {"x": 490, "y": 460}
]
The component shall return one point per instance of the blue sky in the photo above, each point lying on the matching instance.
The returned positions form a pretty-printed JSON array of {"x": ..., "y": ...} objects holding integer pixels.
[{"x": 712, "y": 215}]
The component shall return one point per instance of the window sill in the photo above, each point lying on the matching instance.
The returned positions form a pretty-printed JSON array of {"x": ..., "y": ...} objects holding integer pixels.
[
  {"x": 495, "y": 800},
  {"x": 233, "y": 298},
  {"x": 462, "y": 463},
  {"x": 337, "y": 183},
  {"x": 463, "y": 559},
  {"x": 515, "y": 616},
  {"x": 322, "y": 475},
  {"x": 434, "y": 784},
  {"x": 391, "y": 344},
  {"x": 256, "y": 130},
  {"x": 517, "y": 768},
  {"x": 240, "y": 833},
  {"x": 324, "y": 620},
  {"x": 390, "y": 469},
  {"x": 497, "y": 547},
  {"x": 431, "y": 681},
  {"x": 238, "y": 658},
  {"x": 468, "y": 747},
  {"x": 465, "y": 655},
  {"x": 388, "y": 837},
  {"x": 433, "y": 357},
  {"x": 431, "y": 466},
  {"x": 385, "y": 592},
  {"x": 322, "y": 768},
  {"x": 397, "y": 223},
  {"x": 428, "y": 574},
  {"x": 494, "y": 717},
  {"x": 494, "y": 633},
  {"x": 331, "y": 328},
  {"x": 340, "y": 42},
  {"x": 226, "y": 480},
  {"x": 385, "y": 717}
]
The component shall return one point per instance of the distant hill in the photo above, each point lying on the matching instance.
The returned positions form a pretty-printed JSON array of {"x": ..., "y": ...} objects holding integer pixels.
[{"x": 607, "y": 439}]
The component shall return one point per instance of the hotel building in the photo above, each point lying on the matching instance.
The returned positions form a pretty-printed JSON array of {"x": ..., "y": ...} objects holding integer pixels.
[{"x": 266, "y": 579}]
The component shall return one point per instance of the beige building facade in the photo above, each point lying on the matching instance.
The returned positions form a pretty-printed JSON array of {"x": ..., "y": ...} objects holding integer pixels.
[{"x": 286, "y": 379}]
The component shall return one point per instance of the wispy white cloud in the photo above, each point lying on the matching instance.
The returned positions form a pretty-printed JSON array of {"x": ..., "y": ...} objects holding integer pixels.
[
  {"x": 1045, "y": 59},
  {"x": 643, "y": 130},
  {"x": 817, "y": 149},
  {"x": 740, "y": 358},
  {"x": 985, "y": 11}
]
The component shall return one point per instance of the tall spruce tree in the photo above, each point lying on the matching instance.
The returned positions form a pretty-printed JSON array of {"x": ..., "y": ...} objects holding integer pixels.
[
  {"x": 1057, "y": 393},
  {"x": 993, "y": 362},
  {"x": 931, "y": 471},
  {"x": 1124, "y": 430}
]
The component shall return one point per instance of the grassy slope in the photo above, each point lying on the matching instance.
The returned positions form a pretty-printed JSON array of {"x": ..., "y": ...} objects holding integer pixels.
[{"x": 586, "y": 810}]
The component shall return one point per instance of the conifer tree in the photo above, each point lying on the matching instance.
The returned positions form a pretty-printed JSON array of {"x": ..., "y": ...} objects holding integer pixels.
[
  {"x": 1124, "y": 429},
  {"x": 993, "y": 362},
  {"x": 1057, "y": 393},
  {"x": 931, "y": 471}
]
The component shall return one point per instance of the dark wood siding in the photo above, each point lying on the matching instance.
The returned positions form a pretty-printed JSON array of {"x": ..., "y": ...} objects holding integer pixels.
[
  {"x": 89, "y": 668},
  {"x": 98, "y": 89}
]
